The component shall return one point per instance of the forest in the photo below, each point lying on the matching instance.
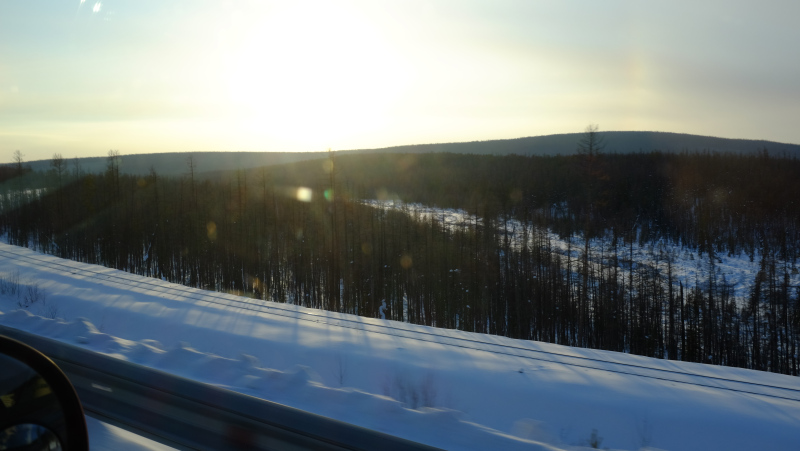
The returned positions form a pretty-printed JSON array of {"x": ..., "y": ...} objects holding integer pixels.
[{"x": 309, "y": 233}]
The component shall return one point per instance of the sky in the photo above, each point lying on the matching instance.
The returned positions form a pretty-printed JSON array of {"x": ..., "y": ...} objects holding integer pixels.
[{"x": 83, "y": 77}]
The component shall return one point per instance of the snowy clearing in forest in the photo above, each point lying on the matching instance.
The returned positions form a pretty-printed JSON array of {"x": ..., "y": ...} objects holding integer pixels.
[{"x": 689, "y": 267}]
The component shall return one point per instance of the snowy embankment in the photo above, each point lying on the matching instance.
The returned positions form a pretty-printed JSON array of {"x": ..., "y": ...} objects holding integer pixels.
[
  {"x": 106, "y": 437},
  {"x": 446, "y": 388}
]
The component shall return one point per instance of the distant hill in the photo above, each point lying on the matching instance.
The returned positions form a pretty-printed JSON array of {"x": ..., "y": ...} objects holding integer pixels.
[
  {"x": 616, "y": 142},
  {"x": 175, "y": 163}
]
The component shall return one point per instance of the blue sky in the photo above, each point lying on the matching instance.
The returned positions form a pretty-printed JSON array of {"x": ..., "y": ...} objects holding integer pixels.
[{"x": 199, "y": 75}]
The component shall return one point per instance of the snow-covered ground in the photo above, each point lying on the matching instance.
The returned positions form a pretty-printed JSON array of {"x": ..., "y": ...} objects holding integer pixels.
[
  {"x": 107, "y": 437},
  {"x": 446, "y": 388},
  {"x": 688, "y": 266}
]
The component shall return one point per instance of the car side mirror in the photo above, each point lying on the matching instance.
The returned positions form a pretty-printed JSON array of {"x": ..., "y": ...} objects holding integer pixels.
[{"x": 39, "y": 409}]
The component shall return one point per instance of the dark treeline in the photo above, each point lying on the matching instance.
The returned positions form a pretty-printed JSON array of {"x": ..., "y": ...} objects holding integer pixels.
[
  {"x": 246, "y": 232},
  {"x": 728, "y": 203}
]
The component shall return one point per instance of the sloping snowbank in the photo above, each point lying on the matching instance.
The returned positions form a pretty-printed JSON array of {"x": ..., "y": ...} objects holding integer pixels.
[
  {"x": 446, "y": 388},
  {"x": 107, "y": 437}
]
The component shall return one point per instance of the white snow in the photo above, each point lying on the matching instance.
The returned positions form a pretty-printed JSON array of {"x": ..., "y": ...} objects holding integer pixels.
[
  {"x": 107, "y": 437},
  {"x": 446, "y": 388},
  {"x": 688, "y": 266}
]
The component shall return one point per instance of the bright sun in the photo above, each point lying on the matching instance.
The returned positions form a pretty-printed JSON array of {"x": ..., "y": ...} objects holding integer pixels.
[{"x": 312, "y": 70}]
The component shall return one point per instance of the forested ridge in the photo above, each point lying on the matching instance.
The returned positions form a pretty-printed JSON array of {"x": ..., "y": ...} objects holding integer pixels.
[
  {"x": 300, "y": 233},
  {"x": 172, "y": 163}
]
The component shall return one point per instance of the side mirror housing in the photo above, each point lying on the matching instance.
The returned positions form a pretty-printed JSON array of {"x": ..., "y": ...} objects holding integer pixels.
[{"x": 39, "y": 409}]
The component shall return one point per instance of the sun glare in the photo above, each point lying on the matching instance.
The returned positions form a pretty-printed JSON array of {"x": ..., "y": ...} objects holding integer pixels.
[
  {"x": 313, "y": 70},
  {"x": 304, "y": 194}
]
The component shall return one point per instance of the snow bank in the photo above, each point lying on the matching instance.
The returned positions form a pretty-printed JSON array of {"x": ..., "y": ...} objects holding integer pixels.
[{"x": 446, "y": 388}]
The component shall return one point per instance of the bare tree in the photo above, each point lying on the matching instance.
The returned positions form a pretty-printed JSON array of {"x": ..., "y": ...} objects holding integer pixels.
[
  {"x": 192, "y": 164},
  {"x": 112, "y": 168},
  {"x": 112, "y": 164},
  {"x": 17, "y": 158},
  {"x": 76, "y": 167},
  {"x": 592, "y": 142},
  {"x": 59, "y": 165}
]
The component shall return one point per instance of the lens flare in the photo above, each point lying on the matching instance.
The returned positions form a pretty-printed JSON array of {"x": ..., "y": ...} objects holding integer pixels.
[{"x": 304, "y": 194}]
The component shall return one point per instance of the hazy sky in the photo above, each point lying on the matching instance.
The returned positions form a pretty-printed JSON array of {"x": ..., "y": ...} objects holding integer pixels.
[{"x": 83, "y": 77}]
